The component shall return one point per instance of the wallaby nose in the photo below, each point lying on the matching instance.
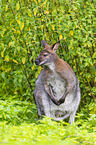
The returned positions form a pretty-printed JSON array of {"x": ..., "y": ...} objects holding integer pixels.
[{"x": 37, "y": 62}]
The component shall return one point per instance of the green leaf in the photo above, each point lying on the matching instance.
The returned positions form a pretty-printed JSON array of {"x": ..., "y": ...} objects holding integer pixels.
[
  {"x": 17, "y": 6},
  {"x": 21, "y": 25},
  {"x": 3, "y": 75},
  {"x": 23, "y": 60}
]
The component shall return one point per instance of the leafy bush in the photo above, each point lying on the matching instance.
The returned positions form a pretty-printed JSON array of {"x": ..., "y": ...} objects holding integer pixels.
[
  {"x": 17, "y": 112},
  {"x": 25, "y": 23}
]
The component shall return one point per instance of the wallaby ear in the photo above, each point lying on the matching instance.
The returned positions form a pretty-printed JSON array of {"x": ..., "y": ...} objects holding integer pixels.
[
  {"x": 55, "y": 46},
  {"x": 44, "y": 43}
]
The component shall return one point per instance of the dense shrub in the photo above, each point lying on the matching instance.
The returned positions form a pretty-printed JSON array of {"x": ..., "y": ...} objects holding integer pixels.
[
  {"x": 17, "y": 112},
  {"x": 24, "y": 24}
]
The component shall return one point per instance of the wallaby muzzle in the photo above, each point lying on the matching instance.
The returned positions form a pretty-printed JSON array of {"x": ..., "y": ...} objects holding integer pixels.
[{"x": 37, "y": 62}]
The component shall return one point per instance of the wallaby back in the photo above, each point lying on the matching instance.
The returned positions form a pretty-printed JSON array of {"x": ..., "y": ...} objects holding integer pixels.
[{"x": 57, "y": 92}]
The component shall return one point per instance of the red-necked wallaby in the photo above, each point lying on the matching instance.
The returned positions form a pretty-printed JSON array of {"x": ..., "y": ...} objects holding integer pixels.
[{"x": 57, "y": 91}]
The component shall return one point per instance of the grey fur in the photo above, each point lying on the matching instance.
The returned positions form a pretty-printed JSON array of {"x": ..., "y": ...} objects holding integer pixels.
[{"x": 48, "y": 108}]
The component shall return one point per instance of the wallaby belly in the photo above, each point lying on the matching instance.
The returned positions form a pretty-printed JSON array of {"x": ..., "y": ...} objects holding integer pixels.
[{"x": 69, "y": 106}]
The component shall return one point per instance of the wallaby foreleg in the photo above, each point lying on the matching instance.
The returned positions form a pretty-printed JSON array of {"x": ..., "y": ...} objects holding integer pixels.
[{"x": 55, "y": 101}]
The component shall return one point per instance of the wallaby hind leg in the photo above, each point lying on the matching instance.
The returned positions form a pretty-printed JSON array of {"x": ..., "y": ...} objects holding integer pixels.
[
  {"x": 72, "y": 117},
  {"x": 42, "y": 104},
  {"x": 77, "y": 102}
]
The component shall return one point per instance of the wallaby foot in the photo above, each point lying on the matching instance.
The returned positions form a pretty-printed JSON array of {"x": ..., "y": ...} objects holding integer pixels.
[{"x": 72, "y": 117}]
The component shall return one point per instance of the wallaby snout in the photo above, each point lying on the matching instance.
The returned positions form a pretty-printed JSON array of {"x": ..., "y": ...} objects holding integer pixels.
[
  {"x": 37, "y": 62},
  {"x": 40, "y": 60}
]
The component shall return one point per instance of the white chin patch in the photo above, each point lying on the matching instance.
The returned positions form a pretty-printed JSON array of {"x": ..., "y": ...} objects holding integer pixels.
[{"x": 42, "y": 62}]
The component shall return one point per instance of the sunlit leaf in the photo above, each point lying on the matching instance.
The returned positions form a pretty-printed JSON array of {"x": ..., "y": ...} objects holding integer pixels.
[
  {"x": 60, "y": 37},
  {"x": 94, "y": 55},
  {"x": 35, "y": 11},
  {"x": 35, "y": 1},
  {"x": 46, "y": 12},
  {"x": 94, "y": 45},
  {"x": 19, "y": 22},
  {"x": 18, "y": 31},
  {"x": 6, "y": 58},
  {"x": 53, "y": 28},
  {"x": 4, "y": 115},
  {"x": 22, "y": 25},
  {"x": 10, "y": 43},
  {"x": 15, "y": 61},
  {"x": 18, "y": 48},
  {"x": 29, "y": 12},
  {"x": 14, "y": 29},
  {"x": 89, "y": 44},
  {"x": 2, "y": 53},
  {"x": 17, "y": 6},
  {"x": 3, "y": 75},
  {"x": 6, "y": 8},
  {"x": 71, "y": 32},
  {"x": 23, "y": 60}
]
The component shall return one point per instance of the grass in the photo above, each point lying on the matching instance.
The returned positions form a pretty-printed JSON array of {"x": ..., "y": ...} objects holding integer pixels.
[{"x": 18, "y": 125}]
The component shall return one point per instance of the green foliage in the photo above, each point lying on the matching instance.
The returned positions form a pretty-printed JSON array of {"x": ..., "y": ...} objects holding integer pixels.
[
  {"x": 24, "y": 24},
  {"x": 47, "y": 132},
  {"x": 17, "y": 112},
  {"x": 18, "y": 126}
]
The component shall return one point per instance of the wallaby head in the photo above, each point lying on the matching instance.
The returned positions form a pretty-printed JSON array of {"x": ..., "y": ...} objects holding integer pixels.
[{"x": 47, "y": 55}]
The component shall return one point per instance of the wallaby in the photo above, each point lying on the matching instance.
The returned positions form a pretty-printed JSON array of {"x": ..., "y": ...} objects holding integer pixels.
[{"x": 57, "y": 91}]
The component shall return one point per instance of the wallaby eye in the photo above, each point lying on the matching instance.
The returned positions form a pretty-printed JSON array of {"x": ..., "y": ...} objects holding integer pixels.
[{"x": 45, "y": 55}]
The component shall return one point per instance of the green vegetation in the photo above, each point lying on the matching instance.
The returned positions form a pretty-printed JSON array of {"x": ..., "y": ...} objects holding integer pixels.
[
  {"x": 23, "y": 24},
  {"x": 19, "y": 126}
]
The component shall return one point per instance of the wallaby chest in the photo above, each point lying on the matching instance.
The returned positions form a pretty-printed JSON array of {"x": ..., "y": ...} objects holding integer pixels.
[{"x": 56, "y": 82}]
